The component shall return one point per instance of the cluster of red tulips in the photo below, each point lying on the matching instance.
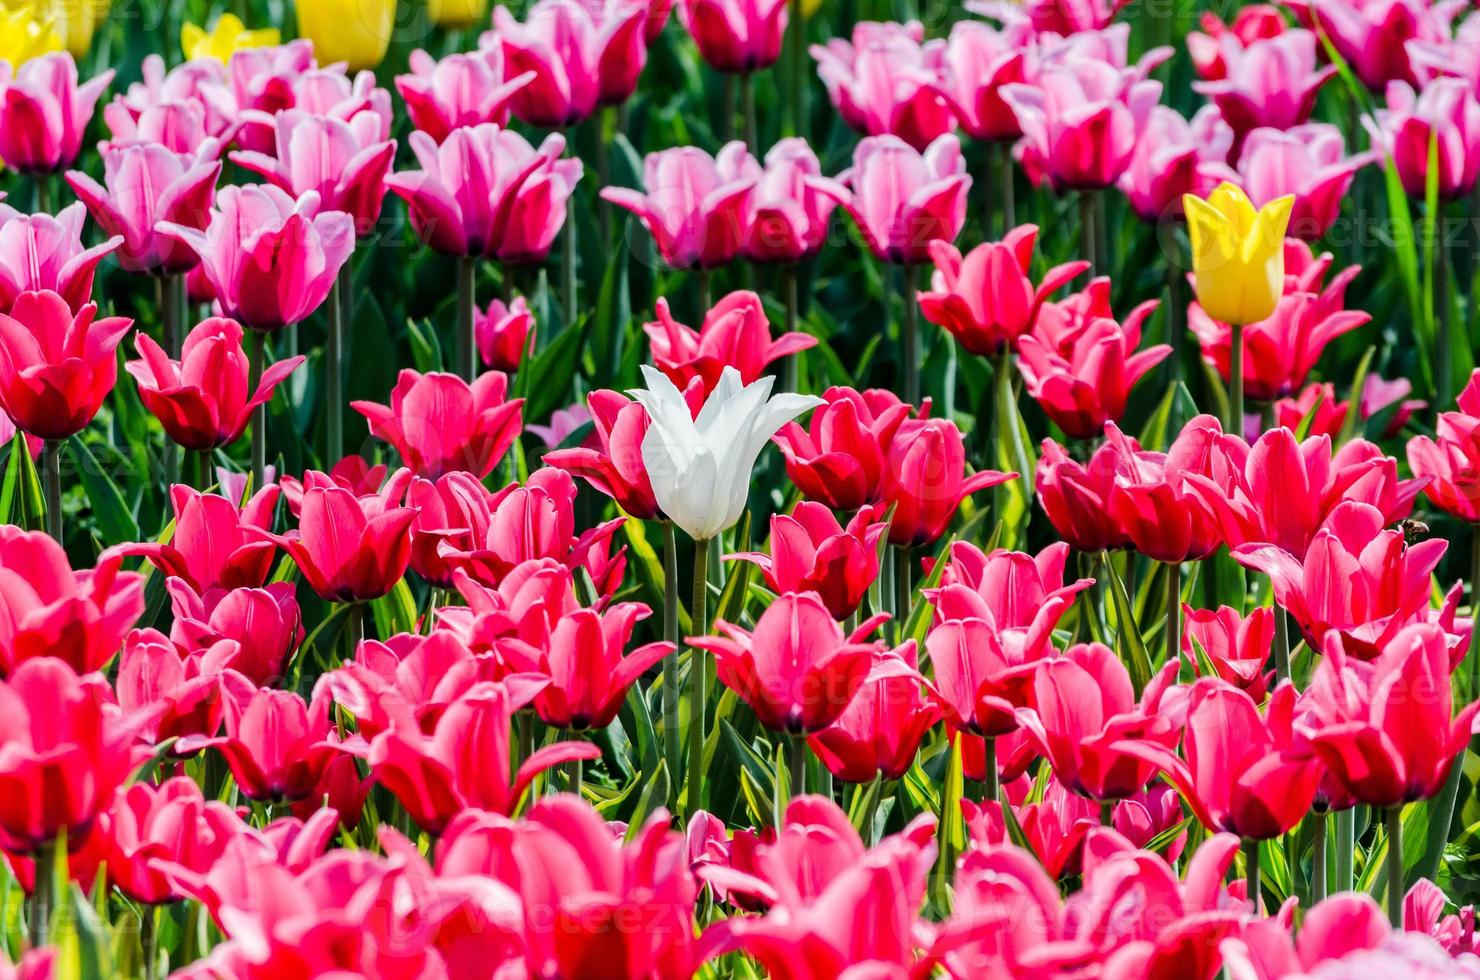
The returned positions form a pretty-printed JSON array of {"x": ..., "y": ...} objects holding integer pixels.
[{"x": 345, "y": 636}]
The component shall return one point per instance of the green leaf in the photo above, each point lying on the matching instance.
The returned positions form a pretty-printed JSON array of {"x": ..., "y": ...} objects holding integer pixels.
[
  {"x": 654, "y": 795},
  {"x": 395, "y": 612},
  {"x": 115, "y": 520},
  {"x": 1128, "y": 633},
  {"x": 1354, "y": 399}
]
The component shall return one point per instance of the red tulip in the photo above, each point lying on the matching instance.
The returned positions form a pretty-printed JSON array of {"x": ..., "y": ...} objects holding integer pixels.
[
  {"x": 56, "y": 367},
  {"x": 1019, "y": 596},
  {"x": 48, "y": 610},
  {"x": 812, "y": 552},
  {"x": 797, "y": 669},
  {"x": 165, "y": 691},
  {"x": 840, "y": 460},
  {"x": 264, "y": 627},
  {"x": 39, "y": 252},
  {"x": 1452, "y": 462},
  {"x": 987, "y": 300},
  {"x": 1244, "y": 774},
  {"x": 171, "y": 822},
  {"x": 64, "y": 748},
  {"x": 1082, "y": 706},
  {"x": 1076, "y": 497},
  {"x": 1236, "y": 646},
  {"x": 735, "y": 334},
  {"x": 736, "y": 35},
  {"x": 216, "y": 544},
  {"x": 1081, "y": 393},
  {"x": 1384, "y": 727},
  {"x": 349, "y": 548},
  {"x": 879, "y": 733},
  {"x": 351, "y": 473},
  {"x": 1061, "y": 323},
  {"x": 202, "y": 399},
  {"x": 1156, "y": 505},
  {"x": 925, "y": 480},
  {"x": 979, "y": 681},
  {"x": 439, "y": 423}
]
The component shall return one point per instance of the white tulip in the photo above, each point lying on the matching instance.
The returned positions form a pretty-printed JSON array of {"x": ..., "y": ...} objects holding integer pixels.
[{"x": 700, "y": 467}]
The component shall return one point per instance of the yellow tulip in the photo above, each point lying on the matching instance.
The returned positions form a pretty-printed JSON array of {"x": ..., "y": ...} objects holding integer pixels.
[
  {"x": 1238, "y": 253},
  {"x": 74, "y": 21},
  {"x": 23, "y": 36},
  {"x": 353, "y": 31},
  {"x": 226, "y": 38},
  {"x": 458, "y": 13}
]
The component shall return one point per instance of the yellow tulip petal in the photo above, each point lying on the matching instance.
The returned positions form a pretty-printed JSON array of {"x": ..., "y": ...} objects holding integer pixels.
[{"x": 1234, "y": 204}]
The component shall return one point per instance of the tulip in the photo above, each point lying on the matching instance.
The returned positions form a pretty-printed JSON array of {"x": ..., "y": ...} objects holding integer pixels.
[
  {"x": 979, "y": 61},
  {"x": 356, "y": 32},
  {"x": 1061, "y": 323},
  {"x": 485, "y": 191},
  {"x": 1156, "y": 505},
  {"x": 581, "y": 57},
  {"x": 1082, "y": 394},
  {"x": 700, "y": 466},
  {"x": 215, "y": 543},
  {"x": 1270, "y": 82},
  {"x": 925, "y": 480},
  {"x": 1273, "y": 778},
  {"x": 1081, "y": 121},
  {"x": 1444, "y": 115},
  {"x": 202, "y": 399},
  {"x": 351, "y": 473},
  {"x": 458, "y": 13},
  {"x": 735, "y": 334},
  {"x": 144, "y": 184},
  {"x": 1307, "y": 162},
  {"x": 349, "y": 548},
  {"x": 1076, "y": 497},
  {"x": 170, "y": 823},
  {"x": 1384, "y": 727},
  {"x": 812, "y": 552},
  {"x": 41, "y": 252},
  {"x": 408, "y": 680},
  {"x": 1175, "y": 157},
  {"x": 737, "y": 36},
  {"x": 438, "y": 423},
  {"x": 840, "y": 460},
  {"x": 786, "y": 217},
  {"x": 44, "y": 112},
  {"x": 925, "y": 202},
  {"x": 460, "y": 90},
  {"x": 980, "y": 681},
  {"x": 344, "y": 161},
  {"x": 564, "y": 423},
  {"x": 430, "y": 773},
  {"x": 616, "y": 468},
  {"x": 1082, "y": 710},
  {"x": 1235, "y": 646},
  {"x": 695, "y": 204},
  {"x": 49, "y": 610},
  {"x": 1450, "y": 463},
  {"x": 886, "y": 82},
  {"x": 66, "y": 748},
  {"x": 1372, "y": 36},
  {"x": 987, "y": 300},
  {"x": 879, "y": 732},
  {"x": 56, "y": 367},
  {"x": 170, "y": 694},
  {"x": 23, "y": 36},
  {"x": 503, "y": 333},
  {"x": 1019, "y": 596},
  {"x": 225, "y": 38},
  {"x": 1255, "y": 22},
  {"x": 270, "y": 259},
  {"x": 262, "y": 628}
]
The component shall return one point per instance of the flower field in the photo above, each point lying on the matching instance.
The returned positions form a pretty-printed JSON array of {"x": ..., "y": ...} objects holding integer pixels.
[{"x": 602, "y": 489}]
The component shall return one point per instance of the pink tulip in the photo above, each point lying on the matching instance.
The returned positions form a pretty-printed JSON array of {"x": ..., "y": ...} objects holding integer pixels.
[
  {"x": 202, "y": 400},
  {"x": 56, "y": 367},
  {"x": 262, "y": 627},
  {"x": 215, "y": 543},
  {"x": 485, "y": 191},
  {"x": 349, "y": 548},
  {"x": 1253, "y": 23},
  {"x": 171, "y": 822},
  {"x": 1451, "y": 463},
  {"x": 1076, "y": 496},
  {"x": 528, "y": 603},
  {"x": 1270, "y": 82},
  {"x": 887, "y": 82},
  {"x": 270, "y": 259},
  {"x": 987, "y": 300},
  {"x": 786, "y": 217},
  {"x": 1082, "y": 394},
  {"x": 1175, "y": 157},
  {"x": 344, "y": 161},
  {"x": 1156, "y": 504},
  {"x": 1062, "y": 17},
  {"x": 840, "y": 460},
  {"x": 1082, "y": 708},
  {"x": 504, "y": 334},
  {"x": 172, "y": 106},
  {"x": 1281, "y": 350},
  {"x": 1020, "y": 596},
  {"x": 352, "y": 473},
  {"x": 44, "y": 112},
  {"x": 797, "y": 670},
  {"x": 408, "y": 680},
  {"x": 144, "y": 184},
  {"x": 582, "y": 56},
  {"x": 1061, "y": 323},
  {"x": 925, "y": 480},
  {"x": 880, "y": 731},
  {"x": 736, "y": 35},
  {"x": 695, "y": 204},
  {"x": 1444, "y": 114},
  {"x": 615, "y": 467},
  {"x": 564, "y": 423},
  {"x": 1081, "y": 122},
  {"x": 979, "y": 60},
  {"x": 170, "y": 694},
  {"x": 1371, "y": 36},
  {"x": 439, "y": 423},
  {"x": 812, "y": 552},
  {"x": 64, "y": 748},
  {"x": 1383, "y": 727},
  {"x": 1307, "y": 161},
  {"x": 41, "y": 252},
  {"x": 458, "y": 90},
  {"x": 736, "y": 333},
  {"x": 902, "y": 199},
  {"x": 980, "y": 681}
]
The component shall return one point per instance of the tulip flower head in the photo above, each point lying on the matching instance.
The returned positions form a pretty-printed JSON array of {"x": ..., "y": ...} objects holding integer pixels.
[
  {"x": 1270, "y": 82},
  {"x": 925, "y": 480},
  {"x": 695, "y": 204},
  {"x": 41, "y": 252},
  {"x": 44, "y": 111},
  {"x": 461, "y": 89},
  {"x": 1444, "y": 115},
  {"x": 841, "y": 458},
  {"x": 439, "y": 423},
  {"x": 1238, "y": 253},
  {"x": 888, "y": 81},
  {"x": 786, "y": 216},
  {"x": 356, "y": 32},
  {"x": 979, "y": 61},
  {"x": 736, "y": 35},
  {"x": 700, "y": 466},
  {"x": 1252, "y": 23},
  {"x": 1452, "y": 461},
  {"x": 1174, "y": 157},
  {"x": 56, "y": 366},
  {"x": 736, "y": 333},
  {"x": 812, "y": 552},
  {"x": 1308, "y": 162},
  {"x": 215, "y": 544},
  {"x": 225, "y": 38},
  {"x": 879, "y": 733}
]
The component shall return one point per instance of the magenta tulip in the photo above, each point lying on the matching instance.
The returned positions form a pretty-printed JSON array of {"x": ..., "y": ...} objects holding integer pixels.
[
  {"x": 736, "y": 333},
  {"x": 925, "y": 480},
  {"x": 695, "y": 204},
  {"x": 582, "y": 56},
  {"x": 1307, "y": 161},
  {"x": 458, "y": 90},
  {"x": 812, "y": 552},
  {"x": 1451, "y": 462},
  {"x": 439, "y": 423},
  {"x": 56, "y": 367},
  {"x": 41, "y": 252},
  {"x": 786, "y": 216},
  {"x": 841, "y": 458},
  {"x": 1271, "y": 82},
  {"x": 736, "y": 35},
  {"x": 1445, "y": 115},
  {"x": 216, "y": 544},
  {"x": 1082, "y": 393},
  {"x": 44, "y": 112},
  {"x": 885, "y": 81},
  {"x": 1175, "y": 157}
]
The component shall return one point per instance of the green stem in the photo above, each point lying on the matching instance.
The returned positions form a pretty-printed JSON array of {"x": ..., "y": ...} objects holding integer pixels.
[
  {"x": 796, "y": 42},
  {"x": 38, "y": 915},
  {"x": 1439, "y": 277},
  {"x": 149, "y": 939},
  {"x": 1107, "y": 813},
  {"x": 568, "y": 261},
  {"x": 172, "y": 312},
  {"x": 606, "y": 121},
  {"x": 903, "y": 591},
  {"x": 1346, "y": 842},
  {"x": 1395, "y": 889},
  {"x": 1174, "y": 611},
  {"x": 255, "y": 341},
  {"x": 1235, "y": 422},
  {"x": 702, "y": 276},
  {"x": 43, "y": 193},
  {"x": 989, "y": 768},
  {"x": 798, "y": 765},
  {"x": 1003, "y": 153},
  {"x": 747, "y": 107},
  {"x": 909, "y": 338},
  {"x": 1281, "y": 644},
  {"x": 871, "y": 809},
  {"x": 467, "y": 315},
  {"x": 672, "y": 742},
  {"x": 51, "y": 484},
  {"x": 1318, "y": 856},
  {"x": 698, "y": 668},
  {"x": 1251, "y": 865},
  {"x": 789, "y": 372},
  {"x": 1087, "y": 231},
  {"x": 334, "y": 366}
]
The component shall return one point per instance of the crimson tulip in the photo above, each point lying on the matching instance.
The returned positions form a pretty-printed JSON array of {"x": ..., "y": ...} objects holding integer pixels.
[
  {"x": 1076, "y": 496},
  {"x": 1019, "y": 596},
  {"x": 166, "y": 692},
  {"x": 879, "y": 732},
  {"x": 925, "y": 480},
  {"x": 171, "y": 822},
  {"x": 841, "y": 458},
  {"x": 812, "y": 552},
  {"x": 1236, "y": 646},
  {"x": 263, "y": 626},
  {"x": 56, "y": 366},
  {"x": 216, "y": 544},
  {"x": 736, "y": 35},
  {"x": 1082, "y": 393},
  {"x": 1452, "y": 461},
  {"x": 735, "y": 334},
  {"x": 439, "y": 423}
]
